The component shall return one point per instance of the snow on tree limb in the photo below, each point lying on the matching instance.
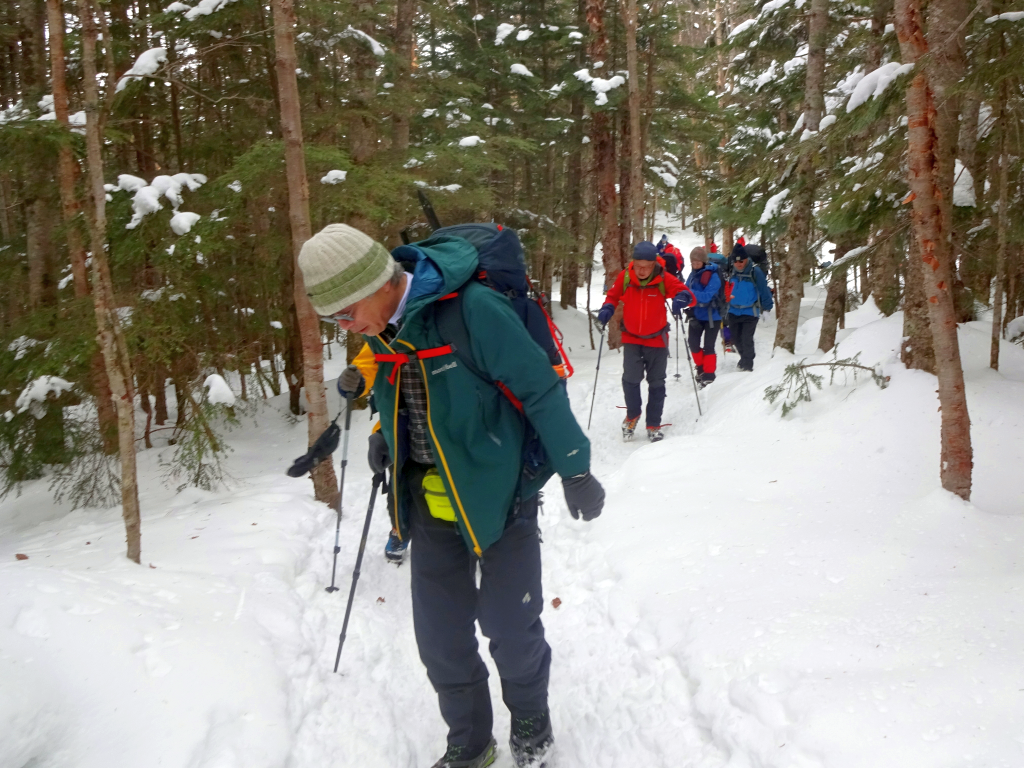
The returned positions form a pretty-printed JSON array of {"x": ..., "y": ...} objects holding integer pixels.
[
  {"x": 873, "y": 84},
  {"x": 147, "y": 64},
  {"x": 377, "y": 48}
]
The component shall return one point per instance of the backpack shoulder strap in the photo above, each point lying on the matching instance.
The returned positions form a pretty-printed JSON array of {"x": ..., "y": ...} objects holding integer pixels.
[{"x": 451, "y": 324}]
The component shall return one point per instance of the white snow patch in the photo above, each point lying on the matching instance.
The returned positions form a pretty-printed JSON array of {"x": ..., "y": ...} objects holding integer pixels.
[
  {"x": 147, "y": 64},
  {"x": 1009, "y": 16},
  {"x": 826, "y": 122},
  {"x": 503, "y": 31},
  {"x": 37, "y": 391},
  {"x": 772, "y": 206},
  {"x": 519, "y": 69},
  {"x": 182, "y": 223},
  {"x": 218, "y": 391},
  {"x": 471, "y": 141},
  {"x": 235, "y": 186},
  {"x": 873, "y": 84},
  {"x": 524, "y": 34},
  {"x": 334, "y": 177},
  {"x": 963, "y": 187},
  {"x": 742, "y": 27}
]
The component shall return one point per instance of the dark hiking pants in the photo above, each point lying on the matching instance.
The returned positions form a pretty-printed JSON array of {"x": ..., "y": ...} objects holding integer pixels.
[
  {"x": 446, "y": 603},
  {"x": 742, "y": 327},
  {"x": 637, "y": 362}
]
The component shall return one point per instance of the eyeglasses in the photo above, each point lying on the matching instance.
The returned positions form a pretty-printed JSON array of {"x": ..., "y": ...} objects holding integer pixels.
[{"x": 343, "y": 316}]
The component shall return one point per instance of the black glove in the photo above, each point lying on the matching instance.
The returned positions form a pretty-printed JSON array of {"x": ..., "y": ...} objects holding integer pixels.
[
  {"x": 378, "y": 457},
  {"x": 351, "y": 382},
  {"x": 584, "y": 495},
  {"x": 324, "y": 446}
]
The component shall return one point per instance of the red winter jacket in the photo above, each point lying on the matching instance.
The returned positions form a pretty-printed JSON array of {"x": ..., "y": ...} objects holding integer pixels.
[{"x": 643, "y": 308}]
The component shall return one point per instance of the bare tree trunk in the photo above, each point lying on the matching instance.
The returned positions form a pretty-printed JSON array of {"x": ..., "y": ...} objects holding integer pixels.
[
  {"x": 635, "y": 203},
  {"x": 41, "y": 290},
  {"x": 325, "y": 483},
  {"x": 796, "y": 262},
  {"x": 111, "y": 337},
  {"x": 884, "y": 279},
  {"x": 835, "y": 302},
  {"x": 929, "y": 145},
  {"x": 405, "y": 14},
  {"x": 917, "y": 350},
  {"x": 604, "y": 158},
  {"x": 1001, "y": 227}
]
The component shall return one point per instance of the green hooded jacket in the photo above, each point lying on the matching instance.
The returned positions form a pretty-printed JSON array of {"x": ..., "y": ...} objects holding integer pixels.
[{"x": 475, "y": 431}]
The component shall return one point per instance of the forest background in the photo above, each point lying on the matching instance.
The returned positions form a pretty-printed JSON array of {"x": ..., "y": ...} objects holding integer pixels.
[{"x": 160, "y": 166}]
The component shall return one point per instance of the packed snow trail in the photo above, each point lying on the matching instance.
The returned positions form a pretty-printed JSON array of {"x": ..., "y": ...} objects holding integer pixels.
[{"x": 759, "y": 592}]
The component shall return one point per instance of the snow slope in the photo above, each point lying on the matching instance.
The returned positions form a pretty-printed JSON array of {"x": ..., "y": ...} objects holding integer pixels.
[{"x": 759, "y": 592}]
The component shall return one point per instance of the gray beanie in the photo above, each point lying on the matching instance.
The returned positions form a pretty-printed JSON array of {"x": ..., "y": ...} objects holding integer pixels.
[{"x": 342, "y": 265}]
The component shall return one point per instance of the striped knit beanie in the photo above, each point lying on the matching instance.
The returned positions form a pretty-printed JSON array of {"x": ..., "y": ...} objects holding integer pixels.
[{"x": 342, "y": 265}]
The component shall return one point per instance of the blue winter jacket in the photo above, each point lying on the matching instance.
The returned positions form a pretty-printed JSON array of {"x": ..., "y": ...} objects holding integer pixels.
[
  {"x": 749, "y": 288},
  {"x": 705, "y": 289}
]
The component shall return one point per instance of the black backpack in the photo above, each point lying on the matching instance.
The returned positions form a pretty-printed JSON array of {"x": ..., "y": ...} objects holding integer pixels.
[{"x": 758, "y": 255}]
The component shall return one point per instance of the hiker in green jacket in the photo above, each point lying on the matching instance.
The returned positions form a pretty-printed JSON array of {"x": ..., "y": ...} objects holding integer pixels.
[{"x": 464, "y": 494}]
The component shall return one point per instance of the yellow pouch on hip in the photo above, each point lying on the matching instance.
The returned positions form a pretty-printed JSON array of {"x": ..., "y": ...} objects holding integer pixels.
[{"x": 438, "y": 503}]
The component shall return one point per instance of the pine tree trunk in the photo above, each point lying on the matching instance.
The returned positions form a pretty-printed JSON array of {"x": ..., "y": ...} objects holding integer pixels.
[
  {"x": 66, "y": 172},
  {"x": 111, "y": 337},
  {"x": 604, "y": 160},
  {"x": 1001, "y": 229},
  {"x": 930, "y": 147},
  {"x": 325, "y": 482},
  {"x": 917, "y": 350},
  {"x": 835, "y": 301},
  {"x": 796, "y": 262},
  {"x": 636, "y": 157},
  {"x": 405, "y": 15}
]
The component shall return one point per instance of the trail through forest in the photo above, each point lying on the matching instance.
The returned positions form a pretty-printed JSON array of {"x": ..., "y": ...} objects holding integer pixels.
[{"x": 758, "y": 592}]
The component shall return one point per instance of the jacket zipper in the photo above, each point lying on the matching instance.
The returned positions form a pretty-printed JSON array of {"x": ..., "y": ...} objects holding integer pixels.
[{"x": 444, "y": 461}]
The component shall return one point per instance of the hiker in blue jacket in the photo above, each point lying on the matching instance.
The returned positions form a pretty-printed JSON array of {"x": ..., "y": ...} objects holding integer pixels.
[
  {"x": 749, "y": 297},
  {"x": 706, "y": 284}
]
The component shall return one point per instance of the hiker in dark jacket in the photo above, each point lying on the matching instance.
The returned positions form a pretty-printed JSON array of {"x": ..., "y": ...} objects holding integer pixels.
[
  {"x": 642, "y": 287},
  {"x": 749, "y": 297},
  {"x": 705, "y": 282},
  {"x": 458, "y": 479}
]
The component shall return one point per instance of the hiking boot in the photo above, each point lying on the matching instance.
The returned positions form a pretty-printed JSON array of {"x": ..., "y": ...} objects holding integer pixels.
[
  {"x": 654, "y": 434},
  {"x": 629, "y": 427},
  {"x": 531, "y": 741},
  {"x": 705, "y": 379},
  {"x": 458, "y": 757},
  {"x": 395, "y": 549}
]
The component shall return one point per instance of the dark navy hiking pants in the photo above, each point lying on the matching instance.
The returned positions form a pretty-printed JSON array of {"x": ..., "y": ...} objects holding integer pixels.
[
  {"x": 743, "y": 337},
  {"x": 639, "y": 361},
  {"x": 446, "y": 604}
]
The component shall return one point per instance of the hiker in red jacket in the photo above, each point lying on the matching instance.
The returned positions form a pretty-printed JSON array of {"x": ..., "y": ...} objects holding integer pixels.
[{"x": 642, "y": 287}]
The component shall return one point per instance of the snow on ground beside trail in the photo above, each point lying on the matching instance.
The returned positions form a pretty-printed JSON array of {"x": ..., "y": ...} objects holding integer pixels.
[{"x": 759, "y": 591}]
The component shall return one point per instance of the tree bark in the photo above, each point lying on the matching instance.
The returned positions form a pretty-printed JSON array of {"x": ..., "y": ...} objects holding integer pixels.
[
  {"x": 635, "y": 204},
  {"x": 796, "y": 262},
  {"x": 930, "y": 146},
  {"x": 835, "y": 302},
  {"x": 917, "y": 350},
  {"x": 325, "y": 482},
  {"x": 604, "y": 155},
  {"x": 405, "y": 14},
  {"x": 1001, "y": 228},
  {"x": 109, "y": 333}
]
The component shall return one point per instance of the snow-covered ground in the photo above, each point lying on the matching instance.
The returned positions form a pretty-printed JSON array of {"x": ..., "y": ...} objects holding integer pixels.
[{"x": 759, "y": 592}]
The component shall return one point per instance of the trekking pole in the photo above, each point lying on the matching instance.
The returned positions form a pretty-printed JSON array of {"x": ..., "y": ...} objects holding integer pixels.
[
  {"x": 677, "y": 350},
  {"x": 693, "y": 378},
  {"x": 593, "y": 397},
  {"x": 341, "y": 489},
  {"x": 377, "y": 480}
]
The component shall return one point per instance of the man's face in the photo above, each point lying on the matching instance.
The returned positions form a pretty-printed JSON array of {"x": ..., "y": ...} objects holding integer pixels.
[
  {"x": 643, "y": 268},
  {"x": 370, "y": 316},
  {"x": 739, "y": 265},
  {"x": 696, "y": 264}
]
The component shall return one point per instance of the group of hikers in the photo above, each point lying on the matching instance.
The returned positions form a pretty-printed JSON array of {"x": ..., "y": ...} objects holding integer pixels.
[
  {"x": 719, "y": 294},
  {"x": 475, "y": 419}
]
